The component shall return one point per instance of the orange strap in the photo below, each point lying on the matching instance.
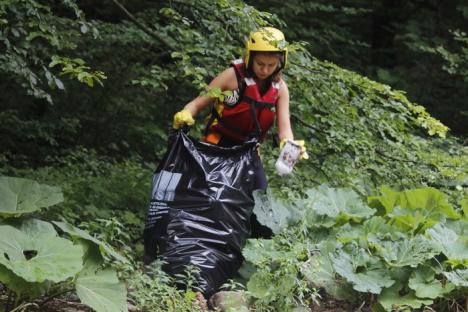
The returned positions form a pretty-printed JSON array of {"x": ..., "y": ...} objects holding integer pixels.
[{"x": 212, "y": 137}]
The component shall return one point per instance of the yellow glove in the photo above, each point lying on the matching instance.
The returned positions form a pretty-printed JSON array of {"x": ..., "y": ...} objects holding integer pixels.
[
  {"x": 301, "y": 143},
  {"x": 182, "y": 118}
]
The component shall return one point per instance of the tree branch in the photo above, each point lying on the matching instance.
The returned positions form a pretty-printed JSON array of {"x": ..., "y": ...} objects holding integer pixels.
[
  {"x": 145, "y": 29},
  {"x": 295, "y": 117}
]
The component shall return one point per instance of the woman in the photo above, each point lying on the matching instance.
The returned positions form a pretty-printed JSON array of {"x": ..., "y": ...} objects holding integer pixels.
[{"x": 259, "y": 94}]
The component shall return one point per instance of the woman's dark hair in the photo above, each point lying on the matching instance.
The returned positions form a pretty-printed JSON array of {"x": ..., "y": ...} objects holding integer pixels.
[{"x": 276, "y": 76}]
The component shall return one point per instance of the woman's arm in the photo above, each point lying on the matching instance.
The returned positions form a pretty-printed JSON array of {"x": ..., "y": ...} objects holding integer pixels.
[
  {"x": 282, "y": 113},
  {"x": 224, "y": 81}
]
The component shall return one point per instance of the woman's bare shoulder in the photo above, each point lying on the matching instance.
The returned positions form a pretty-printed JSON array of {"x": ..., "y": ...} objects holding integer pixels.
[{"x": 226, "y": 80}]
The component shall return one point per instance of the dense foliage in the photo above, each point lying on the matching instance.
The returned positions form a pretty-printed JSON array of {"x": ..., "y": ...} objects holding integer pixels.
[
  {"x": 35, "y": 261},
  {"x": 88, "y": 90},
  {"x": 401, "y": 250},
  {"x": 416, "y": 46}
]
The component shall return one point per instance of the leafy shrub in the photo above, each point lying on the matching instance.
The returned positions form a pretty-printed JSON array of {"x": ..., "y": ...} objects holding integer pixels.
[
  {"x": 406, "y": 249},
  {"x": 97, "y": 188},
  {"x": 154, "y": 290},
  {"x": 35, "y": 261}
]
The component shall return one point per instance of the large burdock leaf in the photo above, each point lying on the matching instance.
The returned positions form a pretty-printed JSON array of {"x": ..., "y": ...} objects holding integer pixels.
[
  {"x": 19, "y": 196},
  {"x": 409, "y": 252},
  {"x": 458, "y": 277},
  {"x": 364, "y": 273},
  {"x": 35, "y": 253},
  {"x": 101, "y": 289},
  {"x": 339, "y": 203},
  {"x": 319, "y": 273},
  {"x": 453, "y": 246},
  {"x": 426, "y": 285},
  {"x": 371, "y": 232},
  {"x": 271, "y": 212},
  {"x": 21, "y": 287},
  {"x": 392, "y": 300},
  {"x": 432, "y": 200}
]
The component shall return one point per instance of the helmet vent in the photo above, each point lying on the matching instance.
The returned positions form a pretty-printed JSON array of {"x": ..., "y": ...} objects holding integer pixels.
[{"x": 252, "y": 39}]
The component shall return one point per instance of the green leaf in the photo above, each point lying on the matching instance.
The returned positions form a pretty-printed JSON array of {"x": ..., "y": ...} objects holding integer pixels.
[
  {"x": 409, "y": 252},
  {"x": 338, "y": 203},
  {"x": 387, "y": 200},
  {"x": 458, "y": 277},
  {"x": 392, "y": 300},
  {"x": 260, "y": 285},
  {"x": 454, "y": 247},
  {"x": 19, "y": 196},
  {"x": 319, "y": 273},
  {"x": 366, "y": 274},
  {"x": 270, "y": 212},
  {"x": 258, "y": 251},
  {"x": 429, "y": 199},
  {"x": 36, "y": 254},
  {"x": 100, "y": 288},
  {"x": 77, "y": 233},
  {"x": 21, "y": 287},
  {"x": 425, "y": 285},
  {"x": 414, "y": 220},
  {"x": 372, "y": 232}
]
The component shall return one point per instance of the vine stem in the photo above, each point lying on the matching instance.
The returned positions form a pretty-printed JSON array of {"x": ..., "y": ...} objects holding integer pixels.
[{"x": 54, "y": 296}]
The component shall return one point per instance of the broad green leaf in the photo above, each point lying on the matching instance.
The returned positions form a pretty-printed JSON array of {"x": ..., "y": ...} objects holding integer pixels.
[
  {"x": 77, "y": 233},
  {"x": 100, "y": 288},
  {"x": 392, "y": 300},
  {"x": 387, "y": 200},
  {"x": 365, "y": 274},
  {"x": 430, "y": 199},
  {"x": 409, "y": 252},
  {"x": 338, "y": 203},
  {"x": 33, "y": 227},
  {"x": 458, "y": 277},
  {"x": 270, "y": 212},
  {"x": 35, "y": 254},
  {"x": 454, "y": 247},
  {"x": 425, "y": 285},
  {"x": 21, "y": 287},
  {"x": 315, "y": 220},
  {"x": 458, "y": 226},
  {"x": 260, "y": 285},
  {"x": 372, "y": 232},
  {"x": 414, "y": 220},
  {"x": 19, "y": 196},
  {"x": 319, "y": 273},
  {"x": 258, "y": 251}
]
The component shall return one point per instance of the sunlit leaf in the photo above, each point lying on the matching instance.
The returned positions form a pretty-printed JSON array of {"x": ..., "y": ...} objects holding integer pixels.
[{"x": 20, "y": 196}]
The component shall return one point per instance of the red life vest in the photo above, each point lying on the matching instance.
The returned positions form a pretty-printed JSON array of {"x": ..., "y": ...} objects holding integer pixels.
[{"x": 252, "y": 115}]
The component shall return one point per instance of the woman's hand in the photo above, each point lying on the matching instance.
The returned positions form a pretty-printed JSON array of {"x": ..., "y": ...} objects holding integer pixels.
[{"x": 182, "y": 118}]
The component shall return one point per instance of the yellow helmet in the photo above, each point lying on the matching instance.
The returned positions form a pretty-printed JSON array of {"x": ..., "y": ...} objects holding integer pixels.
[{"x": 266, "y": 39}]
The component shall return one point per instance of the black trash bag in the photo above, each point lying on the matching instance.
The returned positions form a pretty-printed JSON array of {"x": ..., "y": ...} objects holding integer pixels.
[{"x": 200, "y": 209}]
